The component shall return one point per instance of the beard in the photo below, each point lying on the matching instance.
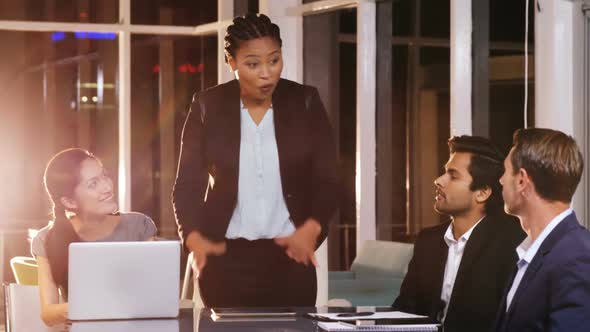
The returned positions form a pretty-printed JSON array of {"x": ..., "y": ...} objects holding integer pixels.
[{"x": 442, "y": 207}]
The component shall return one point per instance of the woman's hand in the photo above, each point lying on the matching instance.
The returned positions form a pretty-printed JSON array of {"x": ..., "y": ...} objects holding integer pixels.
[
  {"x": 201, "y": 248},
  {"x": 52, "y": 312},
  {"x": 300, "y": 246},
  {"x": 63, "y": 310}
]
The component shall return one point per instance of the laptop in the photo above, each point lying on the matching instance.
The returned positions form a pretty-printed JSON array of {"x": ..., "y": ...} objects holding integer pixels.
[
  {"x": 123, "y": 280},
  {"x": 136, "y": 325}
]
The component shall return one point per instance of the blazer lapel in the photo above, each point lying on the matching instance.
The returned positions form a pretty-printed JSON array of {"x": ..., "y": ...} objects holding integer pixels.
[
  {"x": 558, "y": 232},
  {"x": 478, "y": 240},
  {"x": 440, "y": 253},
  {"x": 501, "y": 317},
  {"x": 525, "y": 281},
  {"x": 476, "y": 243},
  {"x": 230, "y": 108},
  {"x": 282, "y": 111},
  {"x": 529, "y": 275}
]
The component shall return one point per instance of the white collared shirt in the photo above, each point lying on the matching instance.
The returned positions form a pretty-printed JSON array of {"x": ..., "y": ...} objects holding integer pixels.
[
  {"x": 528, "y": 249},
  {"x": 261, "y": 211},
  {"x": 454, "y": 256}
]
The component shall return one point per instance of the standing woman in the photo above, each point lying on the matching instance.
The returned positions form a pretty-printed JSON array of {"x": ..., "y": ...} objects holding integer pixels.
[
  {"x": 84, "y": 210},
  {"x": 257, "y": 178}
]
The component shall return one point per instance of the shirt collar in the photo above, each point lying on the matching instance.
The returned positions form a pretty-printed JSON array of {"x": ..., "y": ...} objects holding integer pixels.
[
  {"x": 450, "y": 238},
  {"x": 528, "y": 249},
  {"x": 244, "y": 108}
]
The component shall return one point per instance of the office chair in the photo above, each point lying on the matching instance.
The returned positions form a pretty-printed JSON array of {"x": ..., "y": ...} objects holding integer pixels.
[{"x": 24, "y": 270}]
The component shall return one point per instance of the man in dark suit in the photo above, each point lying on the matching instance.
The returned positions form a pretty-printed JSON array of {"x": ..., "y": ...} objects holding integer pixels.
[
  {"x": 550, "y": 289},
  {"x": 459, "y": 269}
]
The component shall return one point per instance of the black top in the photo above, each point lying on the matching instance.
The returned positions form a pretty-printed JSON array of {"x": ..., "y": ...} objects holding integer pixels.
[
  {"x": 486, "y": 265},
  {"x": 211, "y": 146}
]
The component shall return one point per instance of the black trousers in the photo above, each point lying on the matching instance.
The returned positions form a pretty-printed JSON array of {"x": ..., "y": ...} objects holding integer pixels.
[{"x": 256, "y": 274}]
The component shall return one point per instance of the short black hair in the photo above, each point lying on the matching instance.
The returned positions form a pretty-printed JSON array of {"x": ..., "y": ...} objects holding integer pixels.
[
  {"x": 486, "y": 167},
  {"x": 248, "y": 27}
]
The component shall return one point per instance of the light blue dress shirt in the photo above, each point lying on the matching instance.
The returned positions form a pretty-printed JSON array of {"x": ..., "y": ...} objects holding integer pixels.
[
  {"x": 527, "y": 250},
  {"x": 261, "y": 211}
]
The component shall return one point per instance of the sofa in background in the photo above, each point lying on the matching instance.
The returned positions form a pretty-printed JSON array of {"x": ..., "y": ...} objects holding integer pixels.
[{"x": 375, "y": 275}]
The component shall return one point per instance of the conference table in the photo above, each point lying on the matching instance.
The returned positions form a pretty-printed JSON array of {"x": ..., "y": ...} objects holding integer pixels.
[{"x": 199, "y": 320}]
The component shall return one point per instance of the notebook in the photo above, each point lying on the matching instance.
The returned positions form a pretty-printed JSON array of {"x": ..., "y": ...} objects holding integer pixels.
[
  {"x": 342, "y": 326},
  {"x": 123, "y": 280},
  {"x": 217, "y": 313},
  {"x": 253, "y": 314}
]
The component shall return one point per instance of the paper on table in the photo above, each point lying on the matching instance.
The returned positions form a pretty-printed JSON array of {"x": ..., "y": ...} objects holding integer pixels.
[
  {"x": 345, "y": 327},
  {"x": 376, "y": 315}
]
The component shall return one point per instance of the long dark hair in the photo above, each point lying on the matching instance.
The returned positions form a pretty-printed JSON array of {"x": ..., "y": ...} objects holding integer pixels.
[
  {"x": 247, "y": 27},
  {"x": 62, "y": 175}
]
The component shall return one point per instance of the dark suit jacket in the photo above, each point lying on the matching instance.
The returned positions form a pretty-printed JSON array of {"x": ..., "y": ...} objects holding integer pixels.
[
  {"x": 211, "y": 146},
  {"x": 554, "y": 293},
  {"x": 487, "y": 262}
]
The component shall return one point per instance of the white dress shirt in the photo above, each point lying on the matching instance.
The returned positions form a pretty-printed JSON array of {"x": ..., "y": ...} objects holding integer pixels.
[
  {"x": 261, "y": 211},
  {"x": 527, "y": 250},
  {"x": 454, "y": 256}
]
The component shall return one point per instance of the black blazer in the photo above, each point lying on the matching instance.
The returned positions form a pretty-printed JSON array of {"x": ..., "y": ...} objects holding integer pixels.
[
  {"x": 554, "y": 293},
  {"x": 488, "y": 260},
  {"x": 211, "y": 147}
]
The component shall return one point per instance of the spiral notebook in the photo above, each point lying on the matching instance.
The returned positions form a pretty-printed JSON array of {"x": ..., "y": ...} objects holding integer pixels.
[{"x": 341, "y": 326}]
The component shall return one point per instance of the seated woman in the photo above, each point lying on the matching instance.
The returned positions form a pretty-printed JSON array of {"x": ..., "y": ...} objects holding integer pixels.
[{"x": 84, "y": 210}]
